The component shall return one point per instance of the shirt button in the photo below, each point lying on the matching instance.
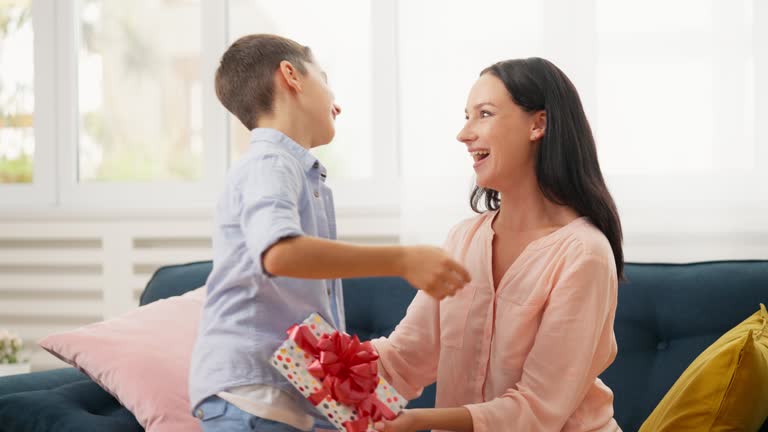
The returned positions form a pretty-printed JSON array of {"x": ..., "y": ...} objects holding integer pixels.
[
  {"x": 328, "y": 290},
  {"x": 199, "y": 413},
  {"x": 317, "y": 194}
]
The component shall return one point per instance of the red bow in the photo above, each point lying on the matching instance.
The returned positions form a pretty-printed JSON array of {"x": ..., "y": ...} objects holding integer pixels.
[{"x": 348, "y": 372}]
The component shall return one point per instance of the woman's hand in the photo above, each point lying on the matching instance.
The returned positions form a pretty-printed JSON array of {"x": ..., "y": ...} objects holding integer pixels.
[{"x": 403, "y": 423}]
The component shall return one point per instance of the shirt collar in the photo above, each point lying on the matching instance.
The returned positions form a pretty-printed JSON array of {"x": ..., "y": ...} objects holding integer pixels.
[{"x": 274, "y": 136}]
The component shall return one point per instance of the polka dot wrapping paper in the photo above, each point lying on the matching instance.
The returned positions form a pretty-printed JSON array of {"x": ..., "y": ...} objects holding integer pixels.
[{"x": 294, "y": 364}]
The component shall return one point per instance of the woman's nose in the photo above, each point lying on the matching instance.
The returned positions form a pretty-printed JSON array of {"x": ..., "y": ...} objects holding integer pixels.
[
  {"x": 336, "y": 109},
  {"x": 466, "y": 136}
]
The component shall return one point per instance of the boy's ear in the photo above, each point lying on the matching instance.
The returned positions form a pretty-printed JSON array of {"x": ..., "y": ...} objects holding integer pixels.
[{"x": 290, "y": 75}]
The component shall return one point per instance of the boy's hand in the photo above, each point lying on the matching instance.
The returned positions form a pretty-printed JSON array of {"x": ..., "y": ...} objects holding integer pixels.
[{"x": 433, "y": 271}]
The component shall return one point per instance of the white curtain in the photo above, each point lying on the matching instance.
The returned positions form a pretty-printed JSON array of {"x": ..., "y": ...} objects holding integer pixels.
[{"x": 675, "y": 93}]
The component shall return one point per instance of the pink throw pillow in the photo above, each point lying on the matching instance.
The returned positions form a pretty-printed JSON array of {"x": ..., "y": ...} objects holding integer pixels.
[{"x": 141, "y": 358}]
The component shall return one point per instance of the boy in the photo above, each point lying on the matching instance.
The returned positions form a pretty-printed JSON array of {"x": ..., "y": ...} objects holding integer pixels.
[{"x": 275, "y": 258}]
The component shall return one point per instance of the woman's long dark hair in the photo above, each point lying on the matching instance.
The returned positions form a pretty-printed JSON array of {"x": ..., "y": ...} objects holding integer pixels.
[{"x": 567, "y": 168}]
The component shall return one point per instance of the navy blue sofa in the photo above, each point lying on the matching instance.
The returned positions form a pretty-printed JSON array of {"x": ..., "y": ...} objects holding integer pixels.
[{"x": 667, "y": 314}]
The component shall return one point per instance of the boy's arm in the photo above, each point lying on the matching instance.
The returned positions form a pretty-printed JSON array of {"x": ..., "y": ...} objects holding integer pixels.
[
  {"x": 269, "y": 217},
  {"x": 427, "y": 268}
]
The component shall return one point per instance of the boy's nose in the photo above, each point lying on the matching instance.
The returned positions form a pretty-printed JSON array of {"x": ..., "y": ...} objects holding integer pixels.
[{"x": 336, "y": 109}]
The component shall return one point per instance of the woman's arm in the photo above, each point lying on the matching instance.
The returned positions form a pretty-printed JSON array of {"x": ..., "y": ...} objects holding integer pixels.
[
  {"x": 408, "y": 357},
  {"x": 453, "y": 419},
  {"x": 574, "y": 344}
]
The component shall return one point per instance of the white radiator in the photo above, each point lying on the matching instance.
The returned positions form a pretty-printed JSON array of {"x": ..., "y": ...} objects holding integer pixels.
[{"x": 59, "y": 275}]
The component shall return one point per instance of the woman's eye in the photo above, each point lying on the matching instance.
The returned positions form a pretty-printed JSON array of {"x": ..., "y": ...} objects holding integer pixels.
[{"x": 484, "y": 114}]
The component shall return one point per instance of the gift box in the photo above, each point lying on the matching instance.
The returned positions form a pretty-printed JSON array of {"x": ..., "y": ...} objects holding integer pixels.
[{"x": 338, "y": 374}]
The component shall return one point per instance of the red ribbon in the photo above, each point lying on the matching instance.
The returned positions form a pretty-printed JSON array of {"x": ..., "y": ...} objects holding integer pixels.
[{"x": 348, "y": 372}]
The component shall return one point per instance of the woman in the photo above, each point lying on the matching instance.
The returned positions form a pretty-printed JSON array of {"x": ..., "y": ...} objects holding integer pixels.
[{"x": 520, "y": 348}]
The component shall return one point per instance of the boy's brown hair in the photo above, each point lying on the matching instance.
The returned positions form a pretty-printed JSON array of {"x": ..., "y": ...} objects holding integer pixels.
[{"x": 245, "y": 77}]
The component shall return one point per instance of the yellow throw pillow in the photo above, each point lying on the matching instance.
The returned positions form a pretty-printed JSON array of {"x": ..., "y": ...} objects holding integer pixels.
[{"x": 724, "y": 389}]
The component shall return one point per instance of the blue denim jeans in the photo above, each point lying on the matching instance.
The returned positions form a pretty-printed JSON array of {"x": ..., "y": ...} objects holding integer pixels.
[{"x": 218, "y": 415}]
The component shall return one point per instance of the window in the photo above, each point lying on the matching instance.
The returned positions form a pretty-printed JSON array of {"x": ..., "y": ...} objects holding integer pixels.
[
  {"x": 139, "y": 99},
  {"x": 438, "y": 65},
  {"x": 356, "y": 43},
  {"x": 342, "y": 47},
  {"x": 671, "y": 90},
  {"x": 675, "y": 90},
  {"x": 126, "y": 114},
  {"x": 109, "y": 103},
  {"x": 17, "y": 137}
]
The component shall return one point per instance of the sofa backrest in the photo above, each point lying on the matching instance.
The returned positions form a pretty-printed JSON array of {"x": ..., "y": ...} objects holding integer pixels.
[
  {"x": 667, "y": 314},
  {"x": 373, "y": 306},
  {"x": 175, "y": 280}
]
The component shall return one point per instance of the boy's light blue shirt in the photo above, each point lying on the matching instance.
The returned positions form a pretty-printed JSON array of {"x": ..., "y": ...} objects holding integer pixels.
[{"x": 277, "y": 190}]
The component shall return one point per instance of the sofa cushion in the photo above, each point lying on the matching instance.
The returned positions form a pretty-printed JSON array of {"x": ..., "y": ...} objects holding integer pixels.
[
  {"x": 142, "y": 358},
  {"x": 725, "y": 388},
  {"x": 44, "y": 380},
  {"x": 80, "y": 406}
]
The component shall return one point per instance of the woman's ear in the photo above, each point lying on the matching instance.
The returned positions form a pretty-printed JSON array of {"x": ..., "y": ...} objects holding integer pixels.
[
  {"x": 289, "y": 75},
  {"x": 539, "y": 125}
]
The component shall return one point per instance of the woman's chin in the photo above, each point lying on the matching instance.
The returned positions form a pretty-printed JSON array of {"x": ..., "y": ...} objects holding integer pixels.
[{"x": 484, "y": 182}]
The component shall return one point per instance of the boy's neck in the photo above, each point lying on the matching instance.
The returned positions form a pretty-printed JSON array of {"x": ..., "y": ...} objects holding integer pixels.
[{"x": 289, "y": 127}]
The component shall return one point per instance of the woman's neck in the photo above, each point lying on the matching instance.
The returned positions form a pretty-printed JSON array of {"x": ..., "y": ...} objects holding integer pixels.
[{"x": 525, "y": 208}]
